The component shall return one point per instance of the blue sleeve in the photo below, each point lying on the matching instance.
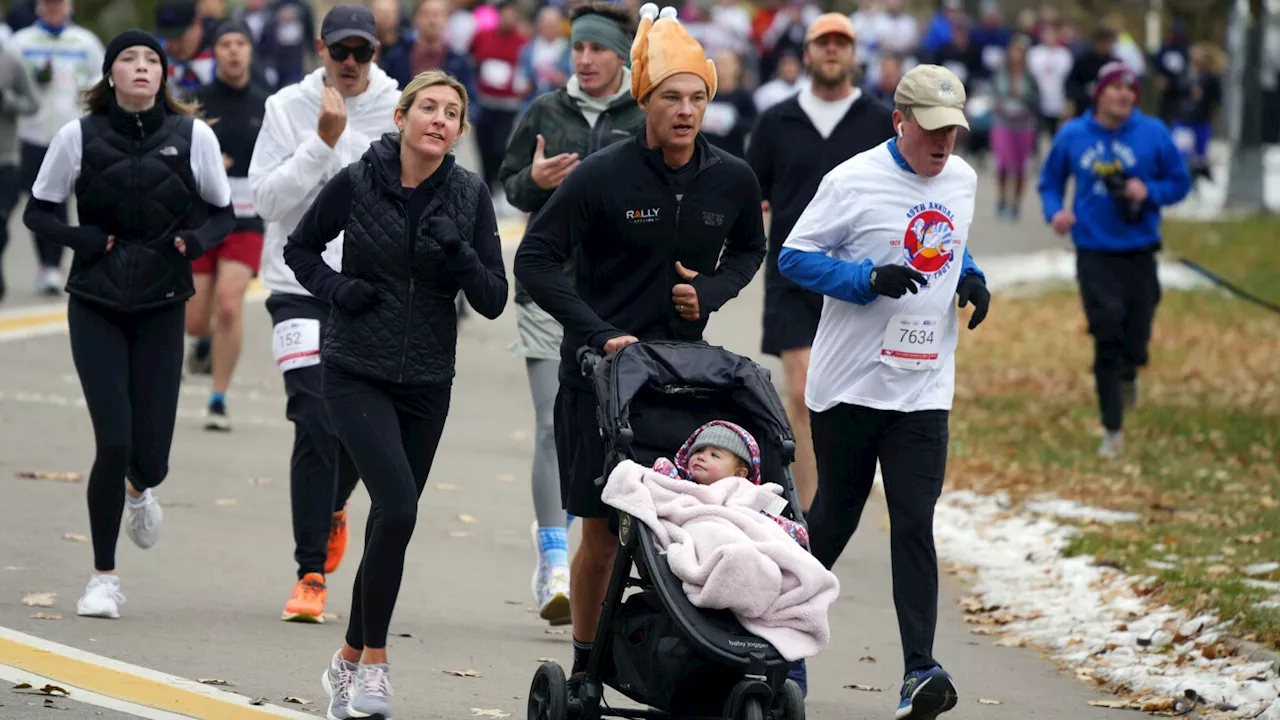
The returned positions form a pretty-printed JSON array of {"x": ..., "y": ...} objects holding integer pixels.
[
  {"x": 1053, "y": 178},
  {"x": 1171, "y": 181},
  {"x": 842, "y": 280},
  {"x": 968, "y": 266}
]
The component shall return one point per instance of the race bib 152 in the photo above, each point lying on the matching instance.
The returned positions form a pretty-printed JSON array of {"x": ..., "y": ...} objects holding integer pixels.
[{"x": 296, "y": 344}]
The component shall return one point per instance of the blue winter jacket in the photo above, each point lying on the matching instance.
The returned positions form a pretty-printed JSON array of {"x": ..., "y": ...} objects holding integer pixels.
[{"x": 1143, "y": 148}]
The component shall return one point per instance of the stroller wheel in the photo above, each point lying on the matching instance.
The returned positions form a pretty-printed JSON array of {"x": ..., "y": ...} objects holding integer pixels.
[
  {"x": 792, "y": 701},
  {"x": 549, "y": 694},
  {"x": 752, "y": 709}
]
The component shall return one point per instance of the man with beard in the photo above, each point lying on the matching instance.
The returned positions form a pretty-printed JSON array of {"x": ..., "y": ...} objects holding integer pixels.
[
  {"x": 593, "y": 110},
  {"x": 222, "y": 275},
  {"x": 794, "y": 144},
  {"x": 652, "y": 273},
  {"x": 313, "y": 129}
]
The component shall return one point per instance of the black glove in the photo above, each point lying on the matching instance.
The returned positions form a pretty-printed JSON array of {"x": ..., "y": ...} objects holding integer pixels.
[
  {"x": 974, "y": 290},
  {"x": 895, "y": 280},
  {"x": 355, "y": 296},
  {"x": 44, "y": 75},
  {"x": 445, "y": 233}
]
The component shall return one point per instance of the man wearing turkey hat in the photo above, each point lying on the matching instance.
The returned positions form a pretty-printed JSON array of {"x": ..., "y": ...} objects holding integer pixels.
[
  {"x": 645, "y": 222},
  {"x": 1126, "y": 167}
]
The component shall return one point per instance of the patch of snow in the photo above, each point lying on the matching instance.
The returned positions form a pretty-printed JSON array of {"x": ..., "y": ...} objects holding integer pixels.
[
  {"x": 1092, "y": 618},
  {"x": 1008, "y": 272},
  {"x": 1074, "y": 510},
  {"x": 1263, "y": 568},
  {"x": 1261, "y": 584}
]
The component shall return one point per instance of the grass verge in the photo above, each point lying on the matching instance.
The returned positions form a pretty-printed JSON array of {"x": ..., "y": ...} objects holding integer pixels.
[{"x": 1202, "y": 468}]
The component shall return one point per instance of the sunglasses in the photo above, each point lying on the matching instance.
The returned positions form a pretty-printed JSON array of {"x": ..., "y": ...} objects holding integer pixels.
[{"x": 340, "y": 52}]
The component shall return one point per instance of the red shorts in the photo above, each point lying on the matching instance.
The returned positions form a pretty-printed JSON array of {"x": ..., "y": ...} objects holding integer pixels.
[{"x": 243, "y": 246}]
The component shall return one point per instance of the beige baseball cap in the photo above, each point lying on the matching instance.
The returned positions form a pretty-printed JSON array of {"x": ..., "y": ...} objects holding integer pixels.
[{"x": 934, "y": 94}]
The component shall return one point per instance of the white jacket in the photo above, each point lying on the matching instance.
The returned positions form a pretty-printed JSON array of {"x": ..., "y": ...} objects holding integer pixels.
[
  {"x": 291, "y": 163},
  {"x": 76, "y": 55}
]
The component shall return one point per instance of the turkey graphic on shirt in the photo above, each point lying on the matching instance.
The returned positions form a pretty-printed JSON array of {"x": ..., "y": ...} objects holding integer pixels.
[{"x": 928, "y": 243}]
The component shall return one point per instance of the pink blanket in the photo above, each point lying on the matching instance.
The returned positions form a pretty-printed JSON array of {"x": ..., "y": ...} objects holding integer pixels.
[{"x": 729, "y": 556}]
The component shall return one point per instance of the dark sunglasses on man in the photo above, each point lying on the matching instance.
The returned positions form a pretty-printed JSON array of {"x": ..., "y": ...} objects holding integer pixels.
[{"x": 361, "y": 53}]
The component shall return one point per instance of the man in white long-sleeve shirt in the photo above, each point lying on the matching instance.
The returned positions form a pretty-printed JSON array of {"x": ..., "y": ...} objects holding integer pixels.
[
  {"x": 65, "y": 60},
  {"x": 312, "y": 130},
  {"x": 885, "y": 239}
]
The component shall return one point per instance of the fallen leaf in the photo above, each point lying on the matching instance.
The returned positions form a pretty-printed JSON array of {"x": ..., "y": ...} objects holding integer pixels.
[
  {"x": 493, "y": 713},
  {"x": 512, "y": 602},
  {"x": 215, "y": 681},
  {"x": 445, "y": 487},
  {"x": 54, "y": 689},
  {"x": 550, "y": 631},
  {"x": 1157, "y": 705},
  {"x": 1216, "y": 570},
  {"x": 1114, "y": 704},
  {"x": 59, "y": 476},
  {"x": 1010, "y": 641},
  {"x": 259, "y": 481},
  {"x": 462, "y": 673},
  {"x": 867, "y": 659},
  {"x": 296, "y": 700},
  {"x": 46, "y": 616},
  {"x": 225, "y": 501},
  {"x": 469, "y": 519},
  {"x": 22, "y": 686},
  {"x": 986, "y": 701},
  {"x": 332, "y": 616},
  {"x": 39, "y": 599},
  {"x": 459, "y": 533},
  {"x": 258, "y": 701},
  {"x": 403, "y": 635},
  {"x": 74, "y": 537},
  {"x": 862, "y": 688}
]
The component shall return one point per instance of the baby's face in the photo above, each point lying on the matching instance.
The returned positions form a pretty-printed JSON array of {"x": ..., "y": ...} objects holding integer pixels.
[{"x": 711, "y": 464}]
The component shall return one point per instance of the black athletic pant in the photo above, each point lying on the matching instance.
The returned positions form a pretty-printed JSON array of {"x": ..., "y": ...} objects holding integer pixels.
[
  {"x": 8, "y": 201},
  {"x": 493, "y": 130},
  {"x": 392, "y": 432},
  {"x": 31, "y": 157},
  {"x": 912, "y": 450},
  {"x": 1120, "y": 292},
  {"x": 321, "y": 474},
  {"x": 130, "y": 367}
]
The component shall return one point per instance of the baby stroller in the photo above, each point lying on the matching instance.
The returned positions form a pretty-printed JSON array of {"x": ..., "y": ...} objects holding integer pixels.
[{"x": 655, "y": 646}]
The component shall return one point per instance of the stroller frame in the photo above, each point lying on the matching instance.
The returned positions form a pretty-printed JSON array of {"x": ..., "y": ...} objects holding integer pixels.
[{"x": 764, "y": 692}]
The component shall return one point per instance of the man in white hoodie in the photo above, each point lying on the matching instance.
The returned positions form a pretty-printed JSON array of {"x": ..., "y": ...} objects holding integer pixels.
[{"x": 312, "y": 130}]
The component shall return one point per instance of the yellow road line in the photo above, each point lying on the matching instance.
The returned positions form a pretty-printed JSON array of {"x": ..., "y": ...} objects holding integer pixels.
[
  {"x": 32, "y": 320},
  {"x": 131, "y": 687}
]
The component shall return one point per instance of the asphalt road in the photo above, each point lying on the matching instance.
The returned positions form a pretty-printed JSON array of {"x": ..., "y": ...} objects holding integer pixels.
[{"x": 205, "y": 601}]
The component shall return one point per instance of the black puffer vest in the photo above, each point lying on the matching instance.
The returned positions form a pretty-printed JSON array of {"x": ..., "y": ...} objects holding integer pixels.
[
  {"x": 136, "y": 183},
  {"x": 411, "y": 335}
]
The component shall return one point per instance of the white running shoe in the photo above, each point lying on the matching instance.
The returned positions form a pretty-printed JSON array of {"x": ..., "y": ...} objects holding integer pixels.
[
  {"x": 550, "y": 588},
  {"x": 102, "y": 597},
  {"x": 1112, "y": 446},
  {"x": 143, "y": 518},
  {"x": 339, "y": 680},
  {"x": 372, "y": 694}
]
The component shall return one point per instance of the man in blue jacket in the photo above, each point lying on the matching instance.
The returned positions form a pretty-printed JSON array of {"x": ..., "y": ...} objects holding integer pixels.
[{"x": 1126, "y": 168}]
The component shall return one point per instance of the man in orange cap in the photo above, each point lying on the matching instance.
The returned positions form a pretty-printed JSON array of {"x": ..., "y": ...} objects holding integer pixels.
[
  {"x": 794, "y": 144},
  {"x": 663, "y": 230}
]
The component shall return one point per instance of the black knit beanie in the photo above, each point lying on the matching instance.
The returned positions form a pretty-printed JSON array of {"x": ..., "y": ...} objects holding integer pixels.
[{"x": 133, "y": 38}]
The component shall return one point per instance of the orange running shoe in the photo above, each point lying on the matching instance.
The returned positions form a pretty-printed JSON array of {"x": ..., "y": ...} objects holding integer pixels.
[
  {"x": 307, "y": 603},
  {"x": 337, "y": 541}
]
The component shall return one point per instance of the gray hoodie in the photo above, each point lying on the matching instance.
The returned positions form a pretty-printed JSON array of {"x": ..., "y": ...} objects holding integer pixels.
[{"x": 17, "y": 97}]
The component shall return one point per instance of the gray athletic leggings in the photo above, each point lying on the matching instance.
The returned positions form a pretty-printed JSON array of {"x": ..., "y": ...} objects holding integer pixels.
[{"x": 544, "y": 382}]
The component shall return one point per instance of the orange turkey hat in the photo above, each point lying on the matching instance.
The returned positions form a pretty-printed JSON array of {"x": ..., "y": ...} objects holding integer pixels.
[{"x": 663, "y": 48}]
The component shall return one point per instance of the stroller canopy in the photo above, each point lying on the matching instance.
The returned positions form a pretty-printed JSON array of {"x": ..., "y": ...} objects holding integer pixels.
[{"x": 672, "y": 367}]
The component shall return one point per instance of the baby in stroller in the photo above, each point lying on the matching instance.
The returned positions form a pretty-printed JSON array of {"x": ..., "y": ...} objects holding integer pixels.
[{"x": 719, "y": 450}]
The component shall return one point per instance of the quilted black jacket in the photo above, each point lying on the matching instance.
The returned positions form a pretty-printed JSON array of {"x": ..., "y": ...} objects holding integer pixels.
[{"x": 410, "y": 334}]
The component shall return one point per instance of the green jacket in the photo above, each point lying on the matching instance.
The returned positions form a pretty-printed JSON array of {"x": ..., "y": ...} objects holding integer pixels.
[{"x": 564, "y": 129}]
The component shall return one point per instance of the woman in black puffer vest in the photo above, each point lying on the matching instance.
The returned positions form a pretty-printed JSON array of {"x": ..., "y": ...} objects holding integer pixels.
[
  {"x": 417, "y": 229},
  {"x": 152, "y": 194}
]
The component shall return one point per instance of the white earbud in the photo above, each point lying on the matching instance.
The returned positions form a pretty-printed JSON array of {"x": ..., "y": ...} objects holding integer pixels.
[
  {"x": 111, "y": 82},
  {"x": 649, "y": 10},
  {"x": 899, "y": 129},
  {"x": 668, "y": 12}
]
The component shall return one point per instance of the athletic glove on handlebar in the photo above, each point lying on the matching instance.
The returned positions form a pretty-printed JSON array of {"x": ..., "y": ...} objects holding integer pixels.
[
  {"x": 894, "y": 281},
  {"x": 445, "y": 233},
  {"x": 355, "y": 296},
  {"x": 974, "y": 290}
]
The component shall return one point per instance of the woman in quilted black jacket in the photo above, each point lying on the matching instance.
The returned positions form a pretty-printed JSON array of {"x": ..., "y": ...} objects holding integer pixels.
[{"x": 417, "y": 229}]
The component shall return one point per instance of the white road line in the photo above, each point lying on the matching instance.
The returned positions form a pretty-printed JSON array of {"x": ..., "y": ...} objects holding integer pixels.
[{"x": 15, "y": 675}]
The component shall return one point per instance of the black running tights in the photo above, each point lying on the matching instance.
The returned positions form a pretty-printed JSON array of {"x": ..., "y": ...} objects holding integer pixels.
[
  {"x": 130, "y": 367},
  {"x": 391, "y": 433}
]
